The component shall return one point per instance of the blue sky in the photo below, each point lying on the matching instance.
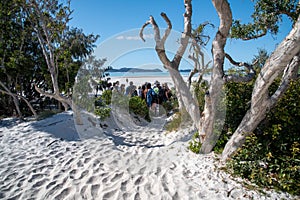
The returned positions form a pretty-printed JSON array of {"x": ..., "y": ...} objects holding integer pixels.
[{"x": 118, "y": 22}]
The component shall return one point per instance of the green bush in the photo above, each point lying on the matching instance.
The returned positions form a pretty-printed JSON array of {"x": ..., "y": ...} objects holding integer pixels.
[
  {"x": 103, "y": 112},
  {"x": 200, "y": 90},
  {"x": 168, "y": 106},
  {"x": 101, "y": 104},
  {"x": 195, "y": 144},
  {"x": 271, "y": 155},
  {"x": 139, "y": 107},
  {"x": 179, "y": 120},
  {"x": 47, "y": 113},
  {"x": 106, "y": 96},
  {"x": 238, "y": 97}
]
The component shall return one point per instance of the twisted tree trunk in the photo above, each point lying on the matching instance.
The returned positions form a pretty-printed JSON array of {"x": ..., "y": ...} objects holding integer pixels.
[
  {"x": 209, "y": 123},
  {"x": 183, "y": 94},
  {"x": 284, "y": 59}
]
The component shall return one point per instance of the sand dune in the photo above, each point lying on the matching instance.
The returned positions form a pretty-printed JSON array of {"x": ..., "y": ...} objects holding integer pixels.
[{"x": 48, "y": 159}]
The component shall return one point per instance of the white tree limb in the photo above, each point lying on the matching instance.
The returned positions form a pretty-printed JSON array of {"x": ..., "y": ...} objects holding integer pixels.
[
  {"x": 261, "y": 102},
  {"x": 238, "y": 78}
]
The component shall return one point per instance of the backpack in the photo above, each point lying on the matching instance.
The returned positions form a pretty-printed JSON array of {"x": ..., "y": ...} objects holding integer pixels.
[
  {"x": 154, "y": 96},
  {"x": 151, "y": 97}
]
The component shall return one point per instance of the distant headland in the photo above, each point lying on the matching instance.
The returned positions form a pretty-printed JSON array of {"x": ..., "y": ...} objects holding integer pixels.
[{"x": 138, "y": 70}]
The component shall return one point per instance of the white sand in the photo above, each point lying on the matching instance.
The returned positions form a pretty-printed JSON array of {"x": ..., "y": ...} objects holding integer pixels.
[
  {"x": 139, "y": 81},
  {"x": 123, "y": 163}
]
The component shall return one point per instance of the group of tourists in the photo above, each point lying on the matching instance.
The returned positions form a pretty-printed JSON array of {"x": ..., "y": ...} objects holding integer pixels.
[{"x": 153, "y": 95}]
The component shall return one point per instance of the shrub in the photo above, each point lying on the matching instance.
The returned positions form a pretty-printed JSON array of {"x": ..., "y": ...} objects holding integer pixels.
[
  {"x": 271, "y": 155},
  {"x": 101, "y": 103},
  {"x": 47, "y": 113},
  {"x": 195, "y": 144},
  {"x": 238, "y": 96},
  {"x": 139, "y": 107},
  {"x": 200, "y": 90},
  {"x": 179, "y": 119},
  {"x": 106, "y": 96},
  {"x": 103, "y": 112}
]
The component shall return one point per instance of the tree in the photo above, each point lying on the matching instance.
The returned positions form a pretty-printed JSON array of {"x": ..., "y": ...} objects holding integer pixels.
[
  {"x": 185, "y": 98},
  {"x": 284, "y": 60},
  {"x": 16, "y": 57},
  {"x": 49, "y": 20},
  {"x": 199, "y": 40},
  {"x": 265, "y": 19}
]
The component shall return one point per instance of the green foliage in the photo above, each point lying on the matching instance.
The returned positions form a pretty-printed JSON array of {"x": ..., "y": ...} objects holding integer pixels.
[
  {"x": 22, "y": 61},
  {"x": 106, "y": 96},
  {"x": 168, "y": 105},
  {"x": 238, "y": 97},
  {"x": 174, "y": 124},
  {"x": 102, "y": 105},
  {"x": 81, "y": 96},
  {"x": 271, "y": 156},
  {"x": 139, "y": 107},
  {"x": 199, "y": 90},
  {"x": 179, "y": 120},
  {"x": 266, "y": 17},
  {"x": 47, "y": 113},
  {"x": 102, "y": 112},
  {"x": 199, "y": 36},
  {"x": 195, "y": 144}
]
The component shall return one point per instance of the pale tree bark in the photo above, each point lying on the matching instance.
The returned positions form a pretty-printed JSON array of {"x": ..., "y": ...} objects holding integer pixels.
[
  {"x": 284, "y": 59},
  {"x": 13, "y": 96},
  {"x": 198, "y": 68},
  {"x": 184, "y": 96},
  {"x": 209, "y": 131},
  {"x": 239, "y": 78},
  {"x": 51, "y": 53}
]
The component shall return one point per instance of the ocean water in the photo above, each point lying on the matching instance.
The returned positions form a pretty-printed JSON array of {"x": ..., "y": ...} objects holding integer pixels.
[{"x": 143, "y": 74}]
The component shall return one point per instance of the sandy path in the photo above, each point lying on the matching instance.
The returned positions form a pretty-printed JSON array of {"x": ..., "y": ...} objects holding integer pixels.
[{"x": 36, "y": 165}]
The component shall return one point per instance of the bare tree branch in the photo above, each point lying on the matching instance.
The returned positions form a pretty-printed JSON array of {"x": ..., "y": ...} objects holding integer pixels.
[
  {"x": 214, "y": 95},
  {"x": 8, "y": 92},
  {"x": 255, "y": 36},
  {"x": 186, "y": 35},
  {"x": 201, "y": 73},
  {"x": 24, "y": 99},
  {"x": 197, "y": 69},
  {"x": 51, "y": 95},
  {"x": 168, "y": 30},
  {"x": 238, "y": 78},
  {"x": 142, "y": 30},
  {"x": 289, "y": 74},
  {"x": 160, "y": 44}
]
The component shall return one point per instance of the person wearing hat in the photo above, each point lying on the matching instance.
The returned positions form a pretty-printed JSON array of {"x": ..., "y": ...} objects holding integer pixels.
[{"x": 130, "y": 89}]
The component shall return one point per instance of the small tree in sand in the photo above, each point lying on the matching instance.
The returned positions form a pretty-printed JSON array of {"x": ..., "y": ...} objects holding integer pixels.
[
  {"x": 49, "y": 20},
  {"x": 284, "y": 59}
]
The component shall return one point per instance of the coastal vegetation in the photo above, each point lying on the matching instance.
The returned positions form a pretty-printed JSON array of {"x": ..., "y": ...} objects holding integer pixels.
[{"x": 42, "y": 60}]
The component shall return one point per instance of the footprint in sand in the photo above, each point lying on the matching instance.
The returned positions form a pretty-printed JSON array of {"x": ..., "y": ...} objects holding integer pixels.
[
  {"x": 94, "y": 190},
  {"x": 139, "y": 180},
  {"x": 69, "y": 161},
  {"x": 64, "y": 193},
  {"x": 110, "y": 194},
  {"x": 82, "y": 192},
  {"x": 117, "y": 177},
  {"x": 124, "y": 186},
  {"x": 91, "y": 180},
  {"x": 87, "y": 159},
  {"x": 40, "y": 183},
  {"x": 50, "y": 184},
  {"x": 54, "y": 189},
  {"x": 83, "y": 174}
]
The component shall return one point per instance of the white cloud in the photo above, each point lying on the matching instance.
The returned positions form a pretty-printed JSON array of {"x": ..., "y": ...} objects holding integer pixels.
[{"x": 146, "y": 36}]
